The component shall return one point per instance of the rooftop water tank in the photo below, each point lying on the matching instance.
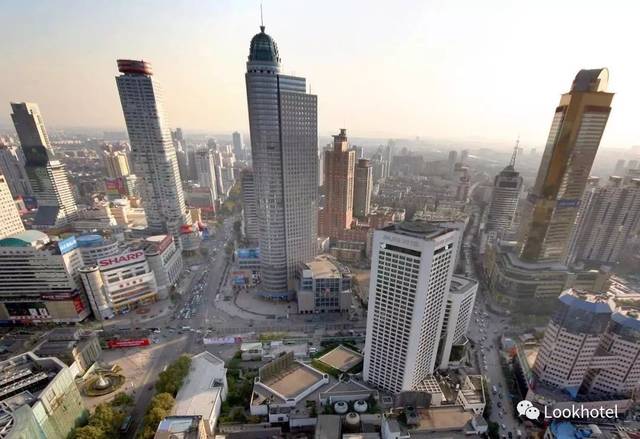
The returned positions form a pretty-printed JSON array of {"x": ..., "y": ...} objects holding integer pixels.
[
  {"x": 341, "y": 407},
  {"x": 360, "y": 406}
]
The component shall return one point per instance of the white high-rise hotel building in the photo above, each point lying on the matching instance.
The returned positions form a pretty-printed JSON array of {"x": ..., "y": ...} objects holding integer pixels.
[
  {"x": 152, "y": 152},
  {"x": 411, "y": 271},
  {"x": 284, "y": 149},
  {"x": 206, "y": 171}
]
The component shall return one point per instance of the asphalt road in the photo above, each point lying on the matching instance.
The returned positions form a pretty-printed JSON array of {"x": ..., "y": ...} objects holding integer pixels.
[{"x": 172, "y": 343}]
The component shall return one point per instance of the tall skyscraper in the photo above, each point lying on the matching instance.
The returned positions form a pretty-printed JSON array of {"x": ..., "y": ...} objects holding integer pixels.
[
  {"x": 608, "y": 215},
  {"x": 571, "y": 147},
  {"x": 10, "y": 221},
  {"x": 339, "y": 170},
  {"x": 411, "y": 270},
  {"x": 12, "y": 167},
  {"x": 47, "y": 176},
  {"x": 284, "y": 149},
  {"x": 504, "y": 201},
  {"x": 620, "y": 166},
  {"x": 117, "y": 163},
  {"x": 451, "y": 162},
  {"x": 362, "y": 188},
  {"x": 457, "y": 317},
  {"x": 359, "y": 150},
  {"x": 206, "y": 169},
  {"x": 180, "y": 146},
  {"x": 238, "y": 145},
  {"x": 152, "y": 152}
]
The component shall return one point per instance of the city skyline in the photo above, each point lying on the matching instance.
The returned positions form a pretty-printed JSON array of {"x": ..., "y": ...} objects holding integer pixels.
[{"x": 447, "y": 67}]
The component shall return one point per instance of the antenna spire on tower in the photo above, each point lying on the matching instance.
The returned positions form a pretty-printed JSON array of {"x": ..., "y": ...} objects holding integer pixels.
[
  {"x": 512, "y": 163},
  {"x": 261, "y": 19}
]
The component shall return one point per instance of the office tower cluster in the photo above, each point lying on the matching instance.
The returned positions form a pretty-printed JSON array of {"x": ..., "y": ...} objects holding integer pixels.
[
  {"x": 339, "y": 169},
  {"x": 607, "y": 217},
  {"x": 412, "y": 309},
  {"x": 362, "y": 188},
  {"x": 345, "y": 220},
  {"x": 284, "y": 151},
  {"x": 591, "y": 346},
  {"x": 117, "y": 164},
  {"x": 535, "y": 270},
  {"x": 47, "y": 176}
]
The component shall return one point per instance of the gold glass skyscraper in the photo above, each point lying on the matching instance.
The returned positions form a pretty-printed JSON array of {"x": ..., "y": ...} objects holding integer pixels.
[{"x": 576, "y": 130}]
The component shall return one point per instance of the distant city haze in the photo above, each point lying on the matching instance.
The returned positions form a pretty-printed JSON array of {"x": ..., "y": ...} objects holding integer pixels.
[{"x": 465, "y": 70}]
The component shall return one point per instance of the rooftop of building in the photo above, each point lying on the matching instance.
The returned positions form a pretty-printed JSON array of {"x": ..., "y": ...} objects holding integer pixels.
[
  {"x": 418, "y": 229},
  {"x": 513, "y": 260},
  {"x": 134, "y": 66},
  {"x": 430, "y": 385},
  {"x": 341, "y": 389},
  {"x": 292, "y": 381},
  {"x": 28, "y": 373},
  {"x": 326, "y": 267},
  {"x": 263, "y": 48},
  {"x": 341, "y": 358},
  {"x": 328, "y": 427},
  {"x": 591, "y": 80},
  {"x": 26, "y": 238},
  {"x": 179, "y": 427},
  {"x": 628, "y": 317},
  {"x": 89, "y": 240},
  {"x": 285, "y": 379},
  {"x": 567, "y": 430},
  {"x": 590, "y": 302},
  {"x": 202, "y": 386},
  {"x": 442, "y": 419},
  {"x": 461, "y": 284}
]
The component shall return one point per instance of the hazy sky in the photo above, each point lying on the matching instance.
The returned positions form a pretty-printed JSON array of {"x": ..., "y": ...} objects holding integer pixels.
[{"x": 489, "y": 69}]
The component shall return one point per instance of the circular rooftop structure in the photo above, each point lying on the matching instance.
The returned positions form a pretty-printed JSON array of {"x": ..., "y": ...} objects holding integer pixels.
[
  {"x": 263, "y": 48},
  {"x": 134, "y": 66}
]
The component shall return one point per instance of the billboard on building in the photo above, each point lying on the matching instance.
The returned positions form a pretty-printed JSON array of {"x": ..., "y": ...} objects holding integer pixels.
[
  {"x": 115, "y": 186},
  {"x": 67, "y": 244},
  {"x": 27, "y": 311},
  {"x": 129, "y": 343},
  {"x": 248, "y": 253},
  {"x": 120, "y": 260}
]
